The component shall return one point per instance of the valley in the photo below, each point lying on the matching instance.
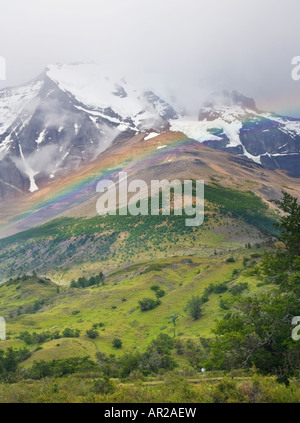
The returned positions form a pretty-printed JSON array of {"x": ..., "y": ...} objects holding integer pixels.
[{"x": 120, "y": 304}]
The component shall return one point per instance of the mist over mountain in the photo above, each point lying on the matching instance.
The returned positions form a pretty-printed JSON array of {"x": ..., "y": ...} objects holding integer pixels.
[{"x": 70, "y": 114}]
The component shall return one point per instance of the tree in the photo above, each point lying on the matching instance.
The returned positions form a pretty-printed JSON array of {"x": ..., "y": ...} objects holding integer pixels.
[
  {"x": 101, "y": 279},
  {"x": 193, "y": 307},
  {"x": 71, "y": 333},
  {"x": 173, "y": 319},
  {"x": 257, "y": 330},
  {"x": 9, "y": 361},
  {"x": 290, "y": 223}
]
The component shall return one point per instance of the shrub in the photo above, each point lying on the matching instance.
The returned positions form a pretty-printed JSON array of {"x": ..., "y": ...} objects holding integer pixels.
[
  {"x": 71, "y": 333},
  {"x": 59, "y": 368},
  {"x": 245, "y": 261},
  {"x": 160, "y": 293},
  {"x": 230, "y": 260},
  {"x": 148, "y": 304},
  {"x": 235, "y": 272},
  {"x": 218, "y": 288},
  {"x": 92, "y": 333},
  {"x": 238, "y": 288},
  {"x": 223, "y": 305},
  {"x": 255, "y": 255},
  {"x": 104, "y": 386}
]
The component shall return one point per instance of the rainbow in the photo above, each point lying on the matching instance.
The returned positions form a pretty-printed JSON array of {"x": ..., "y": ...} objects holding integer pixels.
[{"x": 43, "y": 208}]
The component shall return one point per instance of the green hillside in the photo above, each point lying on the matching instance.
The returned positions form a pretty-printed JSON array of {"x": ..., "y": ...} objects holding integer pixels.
[
  {"x": 107, "y": 300},
  {"x": 67, "y": 248},
  {"x": 36, "y": 305}
]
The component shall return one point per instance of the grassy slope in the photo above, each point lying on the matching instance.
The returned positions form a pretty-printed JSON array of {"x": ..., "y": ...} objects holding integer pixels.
[
  {"x": 136, "y": 253},
  {"x": 68, "y": 248},
  {"x": 179, "y": 277}
]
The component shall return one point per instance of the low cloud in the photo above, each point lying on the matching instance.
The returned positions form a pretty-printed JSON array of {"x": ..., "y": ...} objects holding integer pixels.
[{"x": 185, "y": 48}]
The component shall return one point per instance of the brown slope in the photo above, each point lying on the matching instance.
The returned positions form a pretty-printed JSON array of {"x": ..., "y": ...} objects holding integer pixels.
[{"x": 186, "y": 159}]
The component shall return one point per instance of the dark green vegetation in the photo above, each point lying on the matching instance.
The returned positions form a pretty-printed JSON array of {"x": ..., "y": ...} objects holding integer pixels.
[
  {"x": 63, "y": 247},
  {"x": 147, "y": 304},
  {"x": 240, "y": 204},
  {"x": 193, "y": 307},
  {"x": 176, "y": 387},
  {"x": 84, "y": 282},
  {"x": 154, "y": 324},
  {"x": 257, "y": 329}
]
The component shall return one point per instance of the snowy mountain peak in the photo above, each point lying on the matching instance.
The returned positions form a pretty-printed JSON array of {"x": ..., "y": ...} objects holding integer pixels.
[
  {"x": 68, "y": 116},
  {"x": 227, "y": 104},
  {"x": 72, "y": 113},
  {"x": 90, "y": 86},
  {"x": 231, "y": 122},
  {"x": 232, "y": 98}
]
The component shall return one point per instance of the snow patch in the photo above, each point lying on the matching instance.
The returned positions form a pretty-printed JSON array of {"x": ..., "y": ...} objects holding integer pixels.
[
  {"x": 41, "y": 137},
  {"x": 199, "y": 130},
  {"x": 151, "y": 135},
  {"x": 29, "y": 172}
]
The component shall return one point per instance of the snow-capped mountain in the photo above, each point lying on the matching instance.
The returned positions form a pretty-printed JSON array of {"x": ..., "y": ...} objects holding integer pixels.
[
  {"x": 72, "y": 113},
  {"x": 231, "y": 122},
  {"x": 66, "y": 117}
]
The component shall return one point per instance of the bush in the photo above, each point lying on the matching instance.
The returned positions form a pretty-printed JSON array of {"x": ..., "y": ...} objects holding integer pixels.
[
  {"x": 245, "y": 261},
  {"x": 238, "y": 288},
  {"x": 92, "y": 333},
  {"x": 223, "y": 305},
  {"x": 104, "y": 386},
  {"x": 59, "y": 368},
  {"x": 230, "y": 260},
  {"x": 218, "y": 288},
  {"x": 71, "y": 333},
  {"x": 148, "y": 304},
  {"x": 204, "y": 298},
  {"x": 159, "y": 292},
  {"x": 255, "y": 255}
]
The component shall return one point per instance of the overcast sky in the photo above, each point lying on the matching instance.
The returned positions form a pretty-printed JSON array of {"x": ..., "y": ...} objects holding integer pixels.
[{"x": 190, "y": 46}]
